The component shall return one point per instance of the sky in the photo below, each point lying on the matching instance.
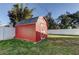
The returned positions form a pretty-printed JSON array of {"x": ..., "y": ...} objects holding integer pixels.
[{"x": 40, "y": 9}]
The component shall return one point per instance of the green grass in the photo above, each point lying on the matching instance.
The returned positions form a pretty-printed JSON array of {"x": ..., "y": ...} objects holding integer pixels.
[
  {"x": 63, "y": 36},
  {"x": 50, "y": 46}
]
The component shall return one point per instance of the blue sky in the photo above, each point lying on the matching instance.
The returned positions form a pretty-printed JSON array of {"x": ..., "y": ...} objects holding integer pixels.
[{"x": 40, "y": 9}]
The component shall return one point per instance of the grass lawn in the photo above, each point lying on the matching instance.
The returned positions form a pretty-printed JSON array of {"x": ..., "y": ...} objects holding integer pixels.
[
  {"x": 50, "y": 46},
  {"x": 63, "y": 36}
]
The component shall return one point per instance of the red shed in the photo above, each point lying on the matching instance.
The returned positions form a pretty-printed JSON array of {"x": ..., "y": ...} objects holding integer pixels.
[{"x": 34, "y": 29}]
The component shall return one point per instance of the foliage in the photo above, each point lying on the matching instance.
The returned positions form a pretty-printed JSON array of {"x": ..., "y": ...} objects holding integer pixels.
[
  {"x": 69, "y": 20},
  {"x": 51, "y": 22},
  {"x": 19, "y": 12},
  {"x": 65, "y": 21}
]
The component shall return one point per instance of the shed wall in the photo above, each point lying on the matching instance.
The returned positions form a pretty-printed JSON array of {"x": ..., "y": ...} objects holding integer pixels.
[
  {"x": 26, "y": 32},
  {"x": 41, "y": 29}
]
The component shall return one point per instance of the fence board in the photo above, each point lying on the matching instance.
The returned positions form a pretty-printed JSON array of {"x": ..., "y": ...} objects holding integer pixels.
[
  {"x": 1, "y": 33},
  {"x": 64, "y": 31},
  {"x": 7, "y": 33}
]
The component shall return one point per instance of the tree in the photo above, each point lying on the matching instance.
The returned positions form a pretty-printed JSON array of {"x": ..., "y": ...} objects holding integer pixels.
[
  {"x": 75, "y": 19},
  {"x": 51, "y": 22},
  {"x": 65, "y": 21},
  {"x": 18, "y": 13},
  {"x": 68, "y": 19}
]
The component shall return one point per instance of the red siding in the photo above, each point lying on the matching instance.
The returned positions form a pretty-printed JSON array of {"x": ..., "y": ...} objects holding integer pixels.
[
  {"x": 26, "y": 32},
  {"x": 41, "y": 29}
]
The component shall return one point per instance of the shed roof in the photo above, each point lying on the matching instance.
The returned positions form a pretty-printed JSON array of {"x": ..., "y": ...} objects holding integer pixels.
[{"x": 28, "y": 21}]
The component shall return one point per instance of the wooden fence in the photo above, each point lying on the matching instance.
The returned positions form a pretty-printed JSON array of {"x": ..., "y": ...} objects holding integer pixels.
[
  {"x": 64, "y": 31},
  {"x": 7, "y": 33}
]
